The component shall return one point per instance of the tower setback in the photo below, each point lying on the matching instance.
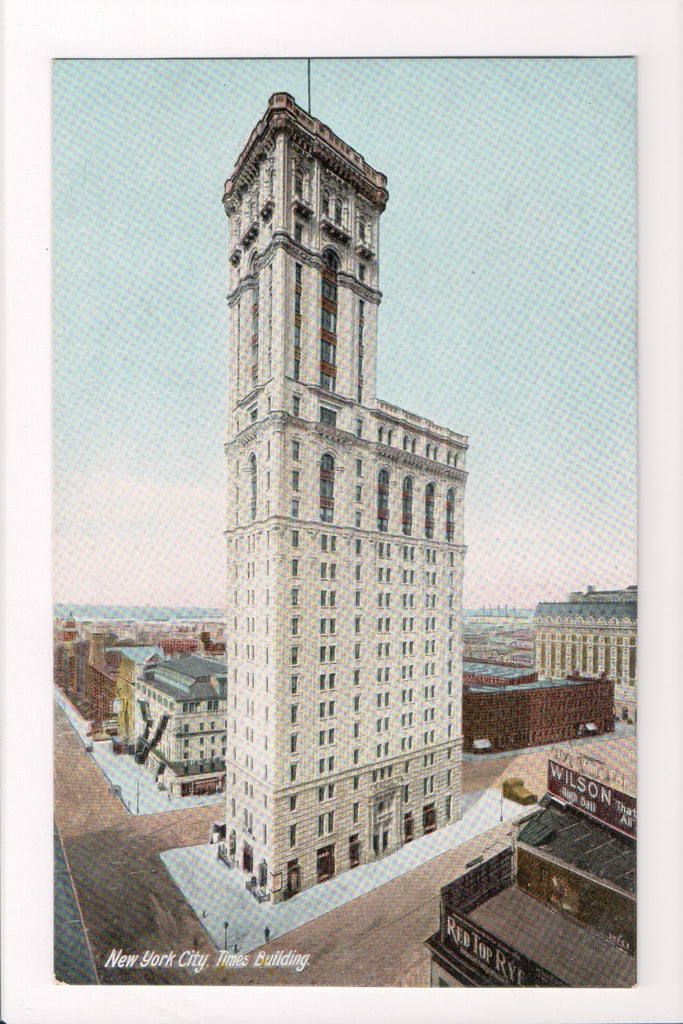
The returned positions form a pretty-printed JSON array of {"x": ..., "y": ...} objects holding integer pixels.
[{"x": 344, "y": 532}]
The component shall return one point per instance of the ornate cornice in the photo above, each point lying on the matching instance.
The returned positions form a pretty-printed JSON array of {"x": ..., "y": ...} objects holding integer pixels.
[{"x": 314, "y": 139}]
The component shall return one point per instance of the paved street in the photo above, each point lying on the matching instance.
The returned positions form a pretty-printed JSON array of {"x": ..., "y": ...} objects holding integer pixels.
[
  {"x": 126, "y": 897},
  {"x": 129, "y": 901},
  {"x": 133, "y": 784},
  {"x": 218, "y": 894}
]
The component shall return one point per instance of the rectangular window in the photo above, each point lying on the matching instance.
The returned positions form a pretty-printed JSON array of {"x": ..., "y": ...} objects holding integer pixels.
[{"x": 328, "y": 416}]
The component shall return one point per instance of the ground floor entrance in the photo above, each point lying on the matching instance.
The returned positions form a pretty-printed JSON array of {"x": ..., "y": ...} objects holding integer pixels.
[{"x": 325, "y": 863}]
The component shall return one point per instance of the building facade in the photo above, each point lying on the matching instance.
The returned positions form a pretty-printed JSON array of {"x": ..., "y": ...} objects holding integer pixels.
[
  {"x": 344, "y": 532},
  {"x": 513, "y": 716},
  {"x": 179, "y": 724},
  {"x": 592, "y": 634},
  {"x": 129, "y": 675}
]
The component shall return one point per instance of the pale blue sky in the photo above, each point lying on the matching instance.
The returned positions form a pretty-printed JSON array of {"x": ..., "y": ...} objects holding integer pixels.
[{"x": 511, "y": 219}]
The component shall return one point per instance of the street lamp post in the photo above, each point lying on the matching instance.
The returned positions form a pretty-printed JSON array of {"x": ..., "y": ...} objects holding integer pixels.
[
  {"x": 501, "y": 803},
  {"x": 225, "y": 936}
]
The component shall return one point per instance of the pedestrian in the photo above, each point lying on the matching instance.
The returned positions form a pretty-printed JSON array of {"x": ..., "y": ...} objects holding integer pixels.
[{"x": 266, "y": 932}]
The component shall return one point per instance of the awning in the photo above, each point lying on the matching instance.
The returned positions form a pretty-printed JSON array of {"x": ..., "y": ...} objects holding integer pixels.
[
  {"x": 590, "y": 727},
  {"x": 482, "y": 745}
]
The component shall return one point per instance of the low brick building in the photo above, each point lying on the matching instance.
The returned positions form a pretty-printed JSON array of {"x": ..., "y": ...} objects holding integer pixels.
[
  {"x": 557, "y": 908},
  {"x": 490, "y": 673},
  {"x": 512, "y": 716}
]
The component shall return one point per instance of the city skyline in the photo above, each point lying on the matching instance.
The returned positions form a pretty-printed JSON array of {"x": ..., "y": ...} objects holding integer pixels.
[{"x": 531, "y": 354}]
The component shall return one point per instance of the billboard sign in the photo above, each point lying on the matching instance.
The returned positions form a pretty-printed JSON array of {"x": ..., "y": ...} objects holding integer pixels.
[{"x": 593, "y": 797}]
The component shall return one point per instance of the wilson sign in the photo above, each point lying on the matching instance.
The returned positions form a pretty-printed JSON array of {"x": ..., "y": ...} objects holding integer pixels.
[{"x": 594, "y": 798}]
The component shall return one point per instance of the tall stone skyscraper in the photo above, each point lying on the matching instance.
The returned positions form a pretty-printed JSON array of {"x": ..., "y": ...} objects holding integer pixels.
[{"x": 344, "y": 532}]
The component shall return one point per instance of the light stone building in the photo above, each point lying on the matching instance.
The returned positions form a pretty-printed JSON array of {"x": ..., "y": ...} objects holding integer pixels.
[
  {"x": 179, "y": 724},
  {"x": 591, "y": 634},
  {"x": 344, "y": 533}
]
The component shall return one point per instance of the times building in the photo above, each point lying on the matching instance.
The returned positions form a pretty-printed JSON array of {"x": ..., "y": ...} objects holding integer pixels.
[{"x": 344, "y": 533}]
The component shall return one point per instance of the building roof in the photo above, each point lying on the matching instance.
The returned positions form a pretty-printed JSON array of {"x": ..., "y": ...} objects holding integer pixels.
[
  {"x": 482, "y": 668},
  {"x": 580, "y": 957},
  {"x": 195, "y": 666},
  {"x": 140, "y": 655},
  {"x": 584, "y": 844},
  {"x": 588, "y": 611},
  {"x": 196, "y": 684},
  {"x": 284, "y": 114},
  {"x": 540, "y": 684},
  {"x": 201, "y": 689}
]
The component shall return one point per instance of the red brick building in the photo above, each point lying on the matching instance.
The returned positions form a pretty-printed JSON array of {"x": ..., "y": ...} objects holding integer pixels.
[
  {"x": 512, "y": 716},
  {"x": 177, "y": 645}
]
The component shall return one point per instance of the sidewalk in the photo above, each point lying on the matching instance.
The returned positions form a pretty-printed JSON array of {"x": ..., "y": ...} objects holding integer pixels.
[
  {"x": 138, "y": 791},
  {"x": 217, "y": 894},
  {"x": 591, "y": 745}
]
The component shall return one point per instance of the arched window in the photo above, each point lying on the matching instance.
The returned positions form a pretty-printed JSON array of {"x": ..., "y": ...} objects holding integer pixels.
[
  {"x": 383, "y": 501},
  {"x": 429, "y": 511},
  {"x": 253, "y": 484},
  {"x": 327, "y": 488},
  {"x": 450, "y": 514},
  {"x": 407, "y": 517}
]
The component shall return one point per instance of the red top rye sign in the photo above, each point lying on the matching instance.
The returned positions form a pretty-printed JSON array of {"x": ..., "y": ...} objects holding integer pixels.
[{"x": 595, "y": 798}]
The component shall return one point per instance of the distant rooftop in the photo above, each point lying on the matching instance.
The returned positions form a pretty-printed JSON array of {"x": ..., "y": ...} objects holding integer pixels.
[
  {"x": 194, "y": 666},
  {"x": 139, "y": 655},
  {"x": 594, "y": 604}
]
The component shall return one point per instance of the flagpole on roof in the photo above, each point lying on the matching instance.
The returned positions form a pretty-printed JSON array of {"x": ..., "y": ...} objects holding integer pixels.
[{"x": 308, "y": 72}]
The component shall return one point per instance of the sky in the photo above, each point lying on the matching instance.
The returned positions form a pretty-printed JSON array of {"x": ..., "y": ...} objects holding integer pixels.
[{"x": 508, "y": 273}]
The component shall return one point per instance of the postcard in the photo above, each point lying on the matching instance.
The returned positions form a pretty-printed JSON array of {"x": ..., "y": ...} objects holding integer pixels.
[
  {"x": 269, "y": 411},
  {"x": 345, "y": 526}
]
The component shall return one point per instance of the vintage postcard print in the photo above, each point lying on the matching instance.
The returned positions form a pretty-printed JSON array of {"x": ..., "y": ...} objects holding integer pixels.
[{"x": 345, "y": 522}]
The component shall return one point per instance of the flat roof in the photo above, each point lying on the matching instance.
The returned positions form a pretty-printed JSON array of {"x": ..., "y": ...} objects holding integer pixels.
[
  {"x": 584, "y": 844},
  {"x": 483, "y": 668},
  {"x": 578, "y": 956},
  {"x": 540, "y": 684},
  {"x": 588, "y": 611}
]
